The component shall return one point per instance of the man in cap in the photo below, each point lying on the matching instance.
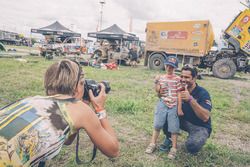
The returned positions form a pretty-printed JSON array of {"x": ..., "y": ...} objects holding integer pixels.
[{"x": 196, "y": 107}]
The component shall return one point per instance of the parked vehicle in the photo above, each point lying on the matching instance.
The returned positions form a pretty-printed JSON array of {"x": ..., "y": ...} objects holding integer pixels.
[
  {"x": 111, "y": 51},
  {"x": 191, "y": 42},
  {"x": 63, "y": 46}
]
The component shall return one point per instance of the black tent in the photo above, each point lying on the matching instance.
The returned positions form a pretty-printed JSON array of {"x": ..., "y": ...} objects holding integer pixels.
[
  {"x": 113, "y": 32},
  {"x": 56, "y": 29}
]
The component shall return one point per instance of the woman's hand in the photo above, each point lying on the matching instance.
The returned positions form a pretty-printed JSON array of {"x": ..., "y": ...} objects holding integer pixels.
[{"x": 98, "y": 102}]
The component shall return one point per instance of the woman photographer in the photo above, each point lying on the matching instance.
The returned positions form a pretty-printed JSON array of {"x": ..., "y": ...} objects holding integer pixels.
[{"x": 34, "y": 129}]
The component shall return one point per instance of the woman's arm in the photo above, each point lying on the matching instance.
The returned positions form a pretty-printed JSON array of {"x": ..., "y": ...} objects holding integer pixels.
[{"x": 100, "y": 131}]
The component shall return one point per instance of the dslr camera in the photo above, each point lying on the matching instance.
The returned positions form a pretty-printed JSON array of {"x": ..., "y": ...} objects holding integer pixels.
[{"x": 91, "y": 84}]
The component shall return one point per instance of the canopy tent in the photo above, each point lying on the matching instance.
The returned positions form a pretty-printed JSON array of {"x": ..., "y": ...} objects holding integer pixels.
[
  {"x": 113, "y": 32},
  {"x": 56, "y": 29}
]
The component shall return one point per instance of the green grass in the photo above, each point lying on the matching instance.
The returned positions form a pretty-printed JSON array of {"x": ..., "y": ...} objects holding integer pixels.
[{"x": 130, "y": 107}]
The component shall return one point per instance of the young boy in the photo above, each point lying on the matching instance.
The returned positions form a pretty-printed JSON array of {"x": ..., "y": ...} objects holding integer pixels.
[{"x": 168, "y": 87}]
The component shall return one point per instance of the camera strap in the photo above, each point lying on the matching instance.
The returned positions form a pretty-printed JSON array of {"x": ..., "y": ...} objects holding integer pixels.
[{"x": 78, "y": 161}]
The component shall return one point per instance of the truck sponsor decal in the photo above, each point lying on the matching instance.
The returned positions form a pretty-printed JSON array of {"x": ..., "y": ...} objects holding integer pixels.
[
  {"x": 173, "y": 35},
  {"x": 180, "y": 50},
  {"x": 195, "y": 44},
  {"x": 197, "y": 32},
  {"x": 164, "y": 34},
  {"x": 246, "y": 47},
  {"x": 245, "y": 20},
  {"x": 196, "y": 38},
  {"x": 197, "y": 26},
  {"x": 235, "y": 31}
]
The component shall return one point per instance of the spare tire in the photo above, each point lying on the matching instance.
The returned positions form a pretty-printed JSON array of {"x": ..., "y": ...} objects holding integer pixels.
[
  {"x": 156, "y": 62},
  {"x": 224, "y": 68}
]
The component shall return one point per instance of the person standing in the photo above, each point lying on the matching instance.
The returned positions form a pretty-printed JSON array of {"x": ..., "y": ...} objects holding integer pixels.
[{"x": 168, "y": 87}]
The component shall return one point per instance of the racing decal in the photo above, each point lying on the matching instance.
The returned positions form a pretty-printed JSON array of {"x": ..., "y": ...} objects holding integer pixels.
[
  {"x": 195, "y": 44},
  {"x": 197, "y": 26},
  {"x": 236, "y": 31},
  {"x": 196, "y": 38},
  {"x": 172, "y": 60},
  {"x": 246, "y": 47},
  {"x": 164, "y": 34},
  {"x": 208, "y": 102},
  {"x": 177, "y": 35},
  {"x": 197, "y": 32},
  {"x": 245, "y": 19},
  {"x": 174, "y": 35}
]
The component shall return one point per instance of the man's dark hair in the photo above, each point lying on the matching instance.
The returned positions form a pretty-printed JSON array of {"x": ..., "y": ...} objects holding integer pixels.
[{"x": 193, "y": 70}]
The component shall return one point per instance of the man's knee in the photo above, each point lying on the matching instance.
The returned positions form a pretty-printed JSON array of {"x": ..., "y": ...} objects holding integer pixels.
[{"x": 193, "y": 147}]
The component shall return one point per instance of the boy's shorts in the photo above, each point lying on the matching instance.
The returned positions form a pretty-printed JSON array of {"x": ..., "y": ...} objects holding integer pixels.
[{"x": 163, "y": 112}]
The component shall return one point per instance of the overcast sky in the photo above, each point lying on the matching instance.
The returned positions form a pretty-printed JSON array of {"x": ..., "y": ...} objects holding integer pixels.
[{"x": 83, "y": 15}]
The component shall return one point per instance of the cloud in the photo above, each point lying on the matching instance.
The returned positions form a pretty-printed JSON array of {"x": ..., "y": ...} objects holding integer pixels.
[{"x": 22, "y": 15}]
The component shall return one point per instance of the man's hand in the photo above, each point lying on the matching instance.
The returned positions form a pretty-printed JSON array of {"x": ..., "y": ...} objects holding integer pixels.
[
  {"x": 98, "y": 102},
  {"x": 185, "y": 95},
  {"x": 180, "y": 112}
]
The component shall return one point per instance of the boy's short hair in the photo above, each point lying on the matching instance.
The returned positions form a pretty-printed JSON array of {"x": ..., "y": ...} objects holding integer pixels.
[{"x": 193, "y": 70}]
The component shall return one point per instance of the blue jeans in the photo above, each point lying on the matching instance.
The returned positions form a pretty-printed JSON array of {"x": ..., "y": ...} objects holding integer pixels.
[{"x": 163, "y": 113}]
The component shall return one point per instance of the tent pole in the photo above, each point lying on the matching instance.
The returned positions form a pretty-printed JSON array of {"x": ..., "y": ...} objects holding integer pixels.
[
  {"x": 120, "y": 52},
  {"x": 30, "y": 42}
]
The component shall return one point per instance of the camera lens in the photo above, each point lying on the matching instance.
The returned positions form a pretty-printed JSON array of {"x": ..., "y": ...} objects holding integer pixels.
[{"x": 91, "y": 84}]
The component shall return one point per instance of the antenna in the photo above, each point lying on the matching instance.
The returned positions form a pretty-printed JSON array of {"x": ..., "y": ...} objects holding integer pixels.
[
  {"x": 102, "y": 2},
  {"x": 130, "y": 24}
]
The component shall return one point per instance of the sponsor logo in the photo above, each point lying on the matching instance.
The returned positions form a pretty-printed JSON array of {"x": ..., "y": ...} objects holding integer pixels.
[
  {"x": 195, "y": 44},
  {"x": 246, "y": 47},
  {"x": 164, "y": 34},
  {"x": 197, "y": 32},
  {"x": 245, "y": 19},
  {"x": 196, "y": 38},
  {"x": 197, "y": 25},
  {"x": 172, "y": 60},
  {"x": 177, "y": 35},
  {"x": 208, "y": 102}
]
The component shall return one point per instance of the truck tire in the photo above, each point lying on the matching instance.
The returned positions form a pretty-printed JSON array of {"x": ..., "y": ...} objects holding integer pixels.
[
  {"x": 156, "y": 62},
  {"x": 224, "y": 68}
]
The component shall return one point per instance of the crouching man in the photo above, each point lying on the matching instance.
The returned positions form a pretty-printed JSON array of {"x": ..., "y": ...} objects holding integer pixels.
[{"x": 196, "y": 106}]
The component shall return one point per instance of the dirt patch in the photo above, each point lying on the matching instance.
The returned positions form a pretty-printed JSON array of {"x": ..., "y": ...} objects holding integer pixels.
[{"x": 234, "y": 135}]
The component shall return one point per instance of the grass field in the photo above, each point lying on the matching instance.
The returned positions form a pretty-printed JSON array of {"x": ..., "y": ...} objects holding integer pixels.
[{"x": 130, "y": 107}]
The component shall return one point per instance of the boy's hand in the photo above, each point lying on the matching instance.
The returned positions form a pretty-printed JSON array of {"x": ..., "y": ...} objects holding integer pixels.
[{"x": 157, "y": 77}]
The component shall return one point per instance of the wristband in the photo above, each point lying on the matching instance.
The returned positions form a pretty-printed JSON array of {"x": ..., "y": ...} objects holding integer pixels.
[
  {"x": 190, "y": 99},
  {"x": 99, "y": 109},
  {"x": 102, "y": 114}
]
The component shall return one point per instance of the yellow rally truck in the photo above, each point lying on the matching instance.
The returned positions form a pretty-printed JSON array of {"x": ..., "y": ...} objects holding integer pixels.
[{"x": 191, "y": 42}]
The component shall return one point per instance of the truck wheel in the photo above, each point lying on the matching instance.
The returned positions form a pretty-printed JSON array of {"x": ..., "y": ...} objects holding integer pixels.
[
  {"x": 224, "y": 68},
  {"x": 156, "y": 62}
]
